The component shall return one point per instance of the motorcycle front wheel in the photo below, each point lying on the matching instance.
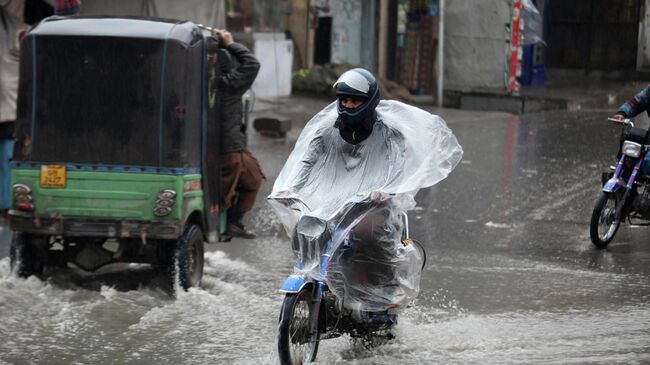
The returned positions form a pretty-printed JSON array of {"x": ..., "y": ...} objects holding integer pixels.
[
  {"x": 604, "y": 223},
  {"x": 295, "y": 345}
]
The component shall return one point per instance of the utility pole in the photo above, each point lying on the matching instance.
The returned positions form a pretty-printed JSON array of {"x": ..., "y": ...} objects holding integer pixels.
[
  {"x": 383, "y": 39},
  {"x": 441, "y": 51}
]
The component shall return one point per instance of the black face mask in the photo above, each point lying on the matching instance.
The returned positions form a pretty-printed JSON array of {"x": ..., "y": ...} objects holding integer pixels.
[
  {"x": 354, "y": 124},
  {"x": 349, "y": 122}
]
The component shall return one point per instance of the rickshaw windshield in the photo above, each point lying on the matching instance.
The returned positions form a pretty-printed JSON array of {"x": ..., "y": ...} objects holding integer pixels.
[{"x": 110, "y": 100}]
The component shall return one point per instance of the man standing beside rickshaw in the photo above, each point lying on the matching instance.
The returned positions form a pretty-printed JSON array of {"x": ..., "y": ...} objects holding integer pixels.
[{"x": 241, "y": 172}]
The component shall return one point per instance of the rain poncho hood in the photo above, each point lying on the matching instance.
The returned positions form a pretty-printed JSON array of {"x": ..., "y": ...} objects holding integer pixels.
[{"x": 322, "y": 196}]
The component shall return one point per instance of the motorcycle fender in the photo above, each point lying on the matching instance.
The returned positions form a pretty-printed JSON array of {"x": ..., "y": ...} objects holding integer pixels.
[
  {"x": 613, "y": 184},
  {"x": 293, "y": 284}
]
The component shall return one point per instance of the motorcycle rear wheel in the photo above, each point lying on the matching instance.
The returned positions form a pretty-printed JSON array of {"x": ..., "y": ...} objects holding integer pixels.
[
  {"x": 294, "y": 344},
  {"x": 604, "y": 223}
]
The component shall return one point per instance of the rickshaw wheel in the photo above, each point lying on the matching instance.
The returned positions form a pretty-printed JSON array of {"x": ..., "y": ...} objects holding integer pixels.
[
  {"x": 24, "y": 259},
  {"x": 183, "y": 259}
]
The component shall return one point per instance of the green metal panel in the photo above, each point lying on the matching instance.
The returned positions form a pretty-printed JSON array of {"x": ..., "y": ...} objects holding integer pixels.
[
  {"x": 223, "y": 221},
  {"x": 192, "y": 201},
  {"x": 111, "y": 194}
]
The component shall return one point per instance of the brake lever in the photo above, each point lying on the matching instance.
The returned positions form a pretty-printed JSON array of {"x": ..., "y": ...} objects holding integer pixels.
[{"x": 625, "y": 121}]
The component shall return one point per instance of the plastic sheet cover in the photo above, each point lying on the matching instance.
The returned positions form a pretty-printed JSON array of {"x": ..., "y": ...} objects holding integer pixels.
[
  {"x": 533, "y": 24},
  {"x": 342, "y": 204}
]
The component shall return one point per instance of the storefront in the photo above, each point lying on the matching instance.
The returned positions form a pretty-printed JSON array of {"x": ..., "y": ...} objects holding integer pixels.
[
  {"x": 344, "y": 32},
  {"x": 416, "y": 45},
  {"x": 592, "y": 35}
]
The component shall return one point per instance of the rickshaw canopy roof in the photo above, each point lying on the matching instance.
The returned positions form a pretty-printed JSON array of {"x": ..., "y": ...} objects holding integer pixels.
[
  {"x": 122, "y": 91},
  {"x": 145, "y": 28}
]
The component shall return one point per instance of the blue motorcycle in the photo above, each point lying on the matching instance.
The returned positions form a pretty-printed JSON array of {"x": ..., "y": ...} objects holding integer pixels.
[
  {"x": 626, "y": 189},
  {"x": 343, "y": 206},
  {"x": 313, "y": 311}
]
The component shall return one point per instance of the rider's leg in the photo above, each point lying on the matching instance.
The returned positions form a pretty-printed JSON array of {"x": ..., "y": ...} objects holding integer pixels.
[{"x": 371, "y": 271}]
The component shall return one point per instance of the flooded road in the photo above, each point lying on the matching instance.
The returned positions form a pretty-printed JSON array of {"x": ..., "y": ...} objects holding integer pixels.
[{"x": 511, "y": 277}]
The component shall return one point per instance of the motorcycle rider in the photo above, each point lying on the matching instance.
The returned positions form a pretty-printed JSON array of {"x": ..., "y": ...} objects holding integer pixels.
[
  {"x": 356, "y": 129},
  {"x": 635, "y": 106},
  {"x": 358, "y": 95},
  {"x": 336, "y": 190}
]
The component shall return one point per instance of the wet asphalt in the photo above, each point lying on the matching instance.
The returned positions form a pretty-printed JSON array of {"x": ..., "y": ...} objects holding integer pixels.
[{"x": 512, "y": 276}]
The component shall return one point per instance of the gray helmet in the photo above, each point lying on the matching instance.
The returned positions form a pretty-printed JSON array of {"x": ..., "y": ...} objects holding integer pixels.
[{"x": 357, "y": 82}]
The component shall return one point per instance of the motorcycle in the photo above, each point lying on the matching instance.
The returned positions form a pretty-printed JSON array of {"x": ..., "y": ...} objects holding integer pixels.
[
  {"x": 313, "y": 311},
  {"x": 626, "y": 190},
  {"x": 344, "y": 208}
]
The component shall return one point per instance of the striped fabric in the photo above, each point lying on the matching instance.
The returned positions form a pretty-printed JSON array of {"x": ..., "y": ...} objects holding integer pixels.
[{"x": 638, "y": 104}]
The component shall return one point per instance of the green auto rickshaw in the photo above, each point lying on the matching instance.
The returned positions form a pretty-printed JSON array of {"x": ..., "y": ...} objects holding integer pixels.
[{"x": 117, "y": 151}]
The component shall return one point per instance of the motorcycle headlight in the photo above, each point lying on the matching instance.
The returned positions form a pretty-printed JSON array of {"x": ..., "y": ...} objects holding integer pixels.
[{"x": 631, "y": 149}]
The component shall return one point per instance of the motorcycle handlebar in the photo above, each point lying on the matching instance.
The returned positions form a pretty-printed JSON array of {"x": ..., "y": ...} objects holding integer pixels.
[
  {"x": 625, "y": 121},
  {"x": 205, "y": 27}
]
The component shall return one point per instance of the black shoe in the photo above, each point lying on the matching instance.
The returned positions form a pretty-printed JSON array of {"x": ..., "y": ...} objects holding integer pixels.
[{"x": 236, "y": 230}]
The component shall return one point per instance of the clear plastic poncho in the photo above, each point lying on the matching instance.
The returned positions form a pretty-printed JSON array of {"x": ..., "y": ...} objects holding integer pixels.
[{"x": 344, "y": 202}]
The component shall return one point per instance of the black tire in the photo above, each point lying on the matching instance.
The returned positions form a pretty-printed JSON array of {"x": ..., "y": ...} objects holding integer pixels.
[
  {"x": 183, "y": 259},
  {"x": 603, "y": 216},
  {"x": 24, "y": 257},
  {"x": 294, "y": 346}
]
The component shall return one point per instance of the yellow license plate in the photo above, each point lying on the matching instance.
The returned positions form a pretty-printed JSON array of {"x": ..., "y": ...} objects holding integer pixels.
[{"x": 53, "y": 176}]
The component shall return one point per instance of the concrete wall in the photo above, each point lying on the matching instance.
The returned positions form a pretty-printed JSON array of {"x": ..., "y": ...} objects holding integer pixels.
[
  {"x": 301, "y": 31},
  {"x": 368, "y": 36},
  {"x": 346, "y": 31},
  {"x": 475, "y": 44},
  {"x": 353, "y": 31}
]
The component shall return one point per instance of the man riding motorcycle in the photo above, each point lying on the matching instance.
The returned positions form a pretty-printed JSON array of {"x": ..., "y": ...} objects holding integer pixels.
[
  {"x": 635, "y": 106},
  {"x": 355, "y": 168}
]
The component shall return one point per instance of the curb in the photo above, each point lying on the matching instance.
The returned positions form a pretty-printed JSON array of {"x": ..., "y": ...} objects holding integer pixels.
[{"x": 511, "y": 104}]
